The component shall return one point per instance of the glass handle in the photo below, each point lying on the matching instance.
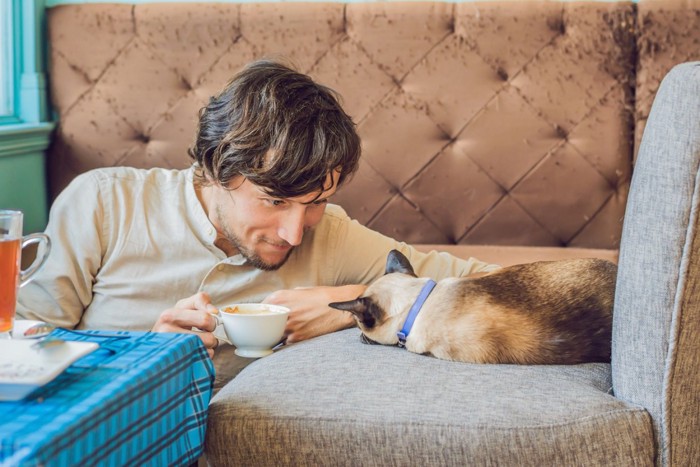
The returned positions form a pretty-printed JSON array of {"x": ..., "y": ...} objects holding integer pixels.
[{"x": 42, "y": 255}]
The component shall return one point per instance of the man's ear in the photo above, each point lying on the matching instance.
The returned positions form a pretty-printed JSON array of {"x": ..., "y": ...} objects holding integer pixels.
[
  {"x": 361, "y": 308},
  {"x": 397, "y": 262}
]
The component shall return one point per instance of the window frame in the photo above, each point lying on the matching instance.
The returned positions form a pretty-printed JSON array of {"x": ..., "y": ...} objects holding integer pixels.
[
  {"x": 13, "y": 62},
  {"x": 29, "y": 89}
]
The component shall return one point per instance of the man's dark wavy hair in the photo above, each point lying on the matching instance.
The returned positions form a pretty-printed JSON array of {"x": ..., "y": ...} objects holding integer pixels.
[{"x": 277, "y": 128}]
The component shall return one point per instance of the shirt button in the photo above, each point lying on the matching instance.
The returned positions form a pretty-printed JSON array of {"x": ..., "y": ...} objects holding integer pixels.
[{"x": 220, "y": 267}]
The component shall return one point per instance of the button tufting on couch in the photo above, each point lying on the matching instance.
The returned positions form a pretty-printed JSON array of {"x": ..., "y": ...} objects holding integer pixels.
[{"x": 497, "y": 104}]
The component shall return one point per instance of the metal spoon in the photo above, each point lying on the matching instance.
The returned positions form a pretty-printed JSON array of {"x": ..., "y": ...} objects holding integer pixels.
[
  {"x": 38, "y": 330},
  {"x": 47, "y": 343}
]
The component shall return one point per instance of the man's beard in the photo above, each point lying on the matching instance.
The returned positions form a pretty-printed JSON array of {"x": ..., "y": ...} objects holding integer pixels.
[
  {"x": 255, "y": 260},
  {"x": 250, "y": 255}
]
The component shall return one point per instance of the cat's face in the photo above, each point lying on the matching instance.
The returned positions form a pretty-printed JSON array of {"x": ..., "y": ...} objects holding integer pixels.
[{"x": 380, "y": 312}]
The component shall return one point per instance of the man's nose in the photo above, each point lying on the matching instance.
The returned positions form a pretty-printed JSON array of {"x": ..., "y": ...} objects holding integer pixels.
[{"x": 291, "y": 230}]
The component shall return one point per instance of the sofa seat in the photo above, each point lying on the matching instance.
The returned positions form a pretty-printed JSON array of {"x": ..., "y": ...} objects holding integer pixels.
[
  {"x": 507, "y": 255},
  {"x": 327, "y": 401}
]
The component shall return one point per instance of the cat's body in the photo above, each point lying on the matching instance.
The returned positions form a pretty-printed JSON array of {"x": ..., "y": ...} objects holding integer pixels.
[{"x": 557, "y": 312}]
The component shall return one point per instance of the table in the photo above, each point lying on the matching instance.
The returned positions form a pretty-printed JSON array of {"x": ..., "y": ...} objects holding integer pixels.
[{"x": 140, "y": 399}]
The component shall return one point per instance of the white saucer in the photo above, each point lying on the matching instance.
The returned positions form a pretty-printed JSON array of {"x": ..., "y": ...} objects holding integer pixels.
[{"x": 24, "y": 368}]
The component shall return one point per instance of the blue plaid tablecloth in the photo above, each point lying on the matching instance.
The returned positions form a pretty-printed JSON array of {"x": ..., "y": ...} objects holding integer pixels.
[{"x": 140, "y": 399}]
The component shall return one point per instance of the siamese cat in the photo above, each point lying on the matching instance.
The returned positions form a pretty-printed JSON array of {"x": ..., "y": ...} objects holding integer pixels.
[{"x": 548, "y": 312}]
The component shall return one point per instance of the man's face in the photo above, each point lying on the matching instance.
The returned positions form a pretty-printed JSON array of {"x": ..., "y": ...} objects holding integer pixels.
[{"x": 265, "y": 229}]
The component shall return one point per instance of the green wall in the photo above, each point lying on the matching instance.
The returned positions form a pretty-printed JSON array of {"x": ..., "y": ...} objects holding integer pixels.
[{"x": 23, "y": 173}]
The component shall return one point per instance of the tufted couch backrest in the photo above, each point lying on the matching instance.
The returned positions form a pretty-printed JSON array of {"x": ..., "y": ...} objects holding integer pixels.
[{"x": 482, "y": 123}]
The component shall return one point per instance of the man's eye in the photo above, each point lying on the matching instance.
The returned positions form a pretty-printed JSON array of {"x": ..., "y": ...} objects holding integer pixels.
[
  {"x": 320, "y": 202},
  {"x": 275, "y": 202}
]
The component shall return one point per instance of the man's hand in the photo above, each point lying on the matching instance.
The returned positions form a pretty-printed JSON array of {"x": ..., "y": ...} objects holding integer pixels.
[
  {"x": 188, "y": 313},
  {"x": 311, "y": 316}
]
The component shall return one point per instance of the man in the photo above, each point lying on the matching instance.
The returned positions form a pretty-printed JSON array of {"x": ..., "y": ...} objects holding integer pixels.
[{"x": 248, "y": 222}]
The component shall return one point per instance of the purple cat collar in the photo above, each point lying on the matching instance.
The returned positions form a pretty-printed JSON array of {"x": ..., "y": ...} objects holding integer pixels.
[{"x": 413, "y": 312}]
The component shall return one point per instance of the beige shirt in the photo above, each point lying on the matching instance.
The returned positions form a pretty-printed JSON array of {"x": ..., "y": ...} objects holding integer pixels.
[{"x": 129, "y": 243}]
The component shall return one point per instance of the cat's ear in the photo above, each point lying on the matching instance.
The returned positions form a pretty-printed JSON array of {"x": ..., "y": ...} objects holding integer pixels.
[
  {"x": 397, "y": 262},
  {"x": 356, "y": 307},
  {"x": 362, "y": 308}
]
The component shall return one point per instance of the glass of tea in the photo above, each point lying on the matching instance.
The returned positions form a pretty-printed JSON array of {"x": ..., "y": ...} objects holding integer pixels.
[{"x": 12, "y": 276}]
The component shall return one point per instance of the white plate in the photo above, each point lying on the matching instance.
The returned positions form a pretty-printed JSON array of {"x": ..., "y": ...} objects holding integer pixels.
[{"x": 24, "y": 368}]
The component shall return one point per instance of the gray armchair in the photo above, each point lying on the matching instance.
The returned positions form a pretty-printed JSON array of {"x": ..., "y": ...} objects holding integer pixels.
[
  {"x": 336, "y": 401},
  {"x": 656, "y": 325}
]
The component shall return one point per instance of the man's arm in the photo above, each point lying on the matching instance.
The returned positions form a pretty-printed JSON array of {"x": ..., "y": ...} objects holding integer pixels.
[
  {"x": 364, "y": 254},
  {"x": 62, "y": 289}
]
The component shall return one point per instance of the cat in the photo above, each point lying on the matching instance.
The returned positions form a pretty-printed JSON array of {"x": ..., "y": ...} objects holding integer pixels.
[{"x": 547, "y": 312}]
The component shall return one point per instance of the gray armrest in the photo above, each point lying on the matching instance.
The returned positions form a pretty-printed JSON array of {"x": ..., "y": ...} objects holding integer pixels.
[{"x": 656, "y": 351}]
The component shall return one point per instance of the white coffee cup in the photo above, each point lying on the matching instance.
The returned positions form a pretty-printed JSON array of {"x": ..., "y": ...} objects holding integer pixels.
[{"x": 253, "y": 328}]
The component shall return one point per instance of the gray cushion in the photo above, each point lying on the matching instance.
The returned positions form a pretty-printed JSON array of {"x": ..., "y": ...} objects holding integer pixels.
[{"x": 336, "y": 401}]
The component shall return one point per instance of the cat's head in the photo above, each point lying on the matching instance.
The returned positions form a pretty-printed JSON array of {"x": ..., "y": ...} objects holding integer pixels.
[{"x": 381, "y": 310}]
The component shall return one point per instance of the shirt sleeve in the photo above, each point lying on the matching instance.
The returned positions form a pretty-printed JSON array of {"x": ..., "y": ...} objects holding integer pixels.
[
  {"x": 62, "y": 289},
  {"x": 360, "y": 255}
]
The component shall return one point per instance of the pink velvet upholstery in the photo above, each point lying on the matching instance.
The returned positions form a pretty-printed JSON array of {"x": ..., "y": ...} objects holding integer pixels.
[
  {"x": 668, "y": 34},
  {"x": 502, "y": 123}
]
